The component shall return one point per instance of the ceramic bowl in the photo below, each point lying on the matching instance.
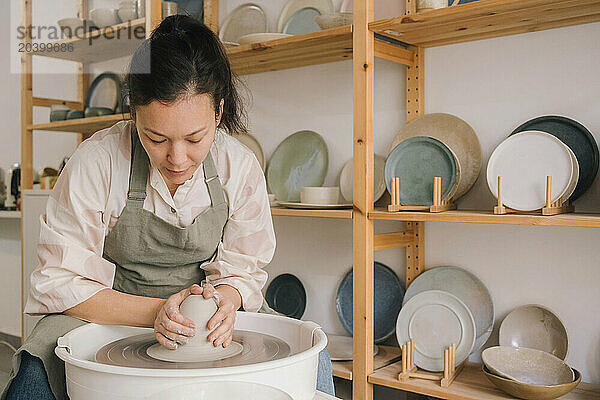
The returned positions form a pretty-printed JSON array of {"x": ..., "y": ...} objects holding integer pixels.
[
  {"x": 127, "y": 14},
  {"x": 320, "y": 194},
  {"x": 334, "y": 20},
  {"x": 261, "y": 37},
  {"x": 531, "y": 366},
  {"x": 58, "y": 115},
  {"x": 71, "y": 27},
  {"x": 532, "y": 392},
  {"x": 104, "y": 17},
  {"x": 535, "y": 327},
  {"x": 97, "y": 111},
  {"x": 75, "y": 114}
]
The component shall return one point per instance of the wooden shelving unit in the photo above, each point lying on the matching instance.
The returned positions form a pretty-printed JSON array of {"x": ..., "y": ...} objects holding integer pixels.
[
  {"x": 386, "y": 356},
  {"x": 290, "y": 212},
  {"x": 408, "y": 35},
  {"x": 470, "y": 384},
  {"x": 101, "y": 45},
  {"x": 85, "y": 126},
  {"x": 488, "y": 217},
  {"x": 486, "y": 19}
]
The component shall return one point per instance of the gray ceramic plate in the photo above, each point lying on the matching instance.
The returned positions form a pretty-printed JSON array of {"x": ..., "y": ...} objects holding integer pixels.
[
  {"x": 292, "y": 6},
  {"x": 535, "y": 327},
  {"x": 243, "y": 20},
  {"x": 416, "y": 161},
  {"x": 454, "y": 133},
  {"x": 389, "y": 292},
  {"x": 468, "y": 288},
  {"x": 300, "y": 160},
  {"x": 303, "y": 21},
  {"x": 578, "y": 138}
]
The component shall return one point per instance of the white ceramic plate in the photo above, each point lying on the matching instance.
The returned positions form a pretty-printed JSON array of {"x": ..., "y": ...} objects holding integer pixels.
[
  {"x": 524, "y": 160},
  {"x": 261, "y": 37},
  {"x": 346, "y": 179},
  {"x": 340, "y": 347},
  {"x": 253, "y": 144},
  {"x": 436, "y": 319},
  {"x": 243, "y": 20},
  {"x": 296, "y": 204},
  {"x": 530, "y": 366},
  {"x": 292, "y": 6},
  {"x": 575, "y": 179}
]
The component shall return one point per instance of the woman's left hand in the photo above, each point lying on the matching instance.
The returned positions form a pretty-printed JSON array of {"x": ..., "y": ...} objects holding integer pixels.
[{"x": 229, "y": 302}]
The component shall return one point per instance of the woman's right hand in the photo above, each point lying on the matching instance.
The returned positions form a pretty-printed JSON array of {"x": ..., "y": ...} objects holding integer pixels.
[{"x": 171, "y": 328}]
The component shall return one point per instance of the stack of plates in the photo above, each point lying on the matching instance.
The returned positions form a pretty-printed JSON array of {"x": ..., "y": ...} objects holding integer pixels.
[
  {"x": 445, "y": 305},
  {"x": 429, "y": 146},
  {"x": 524, "y": 160},
  {"x": 245, "y": 20}
]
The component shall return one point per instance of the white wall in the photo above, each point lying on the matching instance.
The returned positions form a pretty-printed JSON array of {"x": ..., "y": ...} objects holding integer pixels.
[{"x": 494, "y": 85}]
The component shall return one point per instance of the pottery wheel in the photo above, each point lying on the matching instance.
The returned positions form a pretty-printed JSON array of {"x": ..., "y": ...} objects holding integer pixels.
[
  {"x": 160, "y": 352},
  {"x": 133, "y": 352}
]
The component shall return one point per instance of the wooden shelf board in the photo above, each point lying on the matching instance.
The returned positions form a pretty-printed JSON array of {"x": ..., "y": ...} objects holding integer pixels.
[
  {"x": 488, "y": 217},
  {"x": 385, "y": 356},
  {"x": 292, "y": 212},
  {"x": 486, "y": 19},
  {"x": 10, "y": 214},
  {"x": 87, "y": 126},
  {"x": 328, "y": 45},
  {"x": 104, "y": 44},
  {"x": 471, "y": 384}
]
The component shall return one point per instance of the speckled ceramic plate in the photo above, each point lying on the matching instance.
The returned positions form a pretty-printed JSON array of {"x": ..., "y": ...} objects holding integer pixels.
[
  {"x": 578, "y": 138},
  {"x": 457, "y": 135},
  {"x": 524, "y": 160},
  {"x": 347, "y": 179},
  {"x": 243, "y": 20},
  {"x": 535, "y": 327},
  {"x": 389, "y": 292},
  {"x": 253, "y": 144},
  {"x": 467, "y": 287},
  {"x": 416, "y": 161},
  {"x": 293, "y": 6},
  {"x": 300, "y": 160},
  {"x": 436, "y": 319}
]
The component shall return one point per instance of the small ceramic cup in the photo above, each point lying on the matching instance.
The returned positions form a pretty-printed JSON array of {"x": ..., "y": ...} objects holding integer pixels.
[{"x": 320, "y": 194}]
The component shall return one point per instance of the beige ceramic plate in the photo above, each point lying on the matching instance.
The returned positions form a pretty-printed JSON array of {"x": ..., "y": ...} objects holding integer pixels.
[
  {"x": 346, "y": 179},
  {"x": 252, "y": 143},
  {"x": 533, "y": 392},
  {"x": 292, "y": 6},
  {"x": 457, "y": 135},
  {"x": 531, "y": 366},
  {"x": 261, "y": 37},
  {"x": 535, "y": 327},
  {"x": 245, "y": 19},
  {"x": 340, "y": 347}
]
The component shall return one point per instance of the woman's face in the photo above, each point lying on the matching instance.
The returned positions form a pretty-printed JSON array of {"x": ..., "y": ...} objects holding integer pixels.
[{"x": 178, "y": 136}]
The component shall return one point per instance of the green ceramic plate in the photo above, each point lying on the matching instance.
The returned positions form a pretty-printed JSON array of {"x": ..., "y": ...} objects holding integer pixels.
[
  {"x": 300, "y": 160},
  {"x": 416, "y": 161}
]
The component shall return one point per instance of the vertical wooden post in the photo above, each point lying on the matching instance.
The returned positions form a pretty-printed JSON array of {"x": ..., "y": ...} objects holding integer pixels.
[
  {"x": 411, "y": 7},
  {"x": 211, "y": 15},
  {"x": 153, "y": 15},
  {"x": 83, "y": 78},
  {"x": 363, "y": 77},
  {"x": 415, "y": 253},
  {"x": 415, "y": 76}
]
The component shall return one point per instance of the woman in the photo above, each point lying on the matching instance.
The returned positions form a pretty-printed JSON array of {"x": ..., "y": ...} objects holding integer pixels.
[{"x": 147, "y": 209}]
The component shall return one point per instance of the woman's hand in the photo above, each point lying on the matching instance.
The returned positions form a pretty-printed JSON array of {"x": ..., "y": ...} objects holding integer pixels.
[
  {"x": 171, "y": 328},
  {"x": 229, "y": 302}
]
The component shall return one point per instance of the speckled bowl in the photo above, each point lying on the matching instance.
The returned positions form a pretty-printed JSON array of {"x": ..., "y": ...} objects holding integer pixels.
[
  {"x": 530, "y": 366},
  {"x": 535, "y": 327},
  {"x": 532, "y": 392}
]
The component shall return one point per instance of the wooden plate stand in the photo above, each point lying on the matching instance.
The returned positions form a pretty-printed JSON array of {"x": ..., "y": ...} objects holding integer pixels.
[
  {"x": 439, "y": 205},
  {"x": 410, "y": 370},
  {"x": 558, "y": 207}
]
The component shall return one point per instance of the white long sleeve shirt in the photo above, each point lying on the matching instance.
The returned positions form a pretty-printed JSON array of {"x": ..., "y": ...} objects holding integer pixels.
[{"x": 91, "y": 192}]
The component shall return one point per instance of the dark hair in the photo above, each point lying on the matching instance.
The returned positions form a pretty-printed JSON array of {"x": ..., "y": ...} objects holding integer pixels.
[{"x": 184, "y": 57}]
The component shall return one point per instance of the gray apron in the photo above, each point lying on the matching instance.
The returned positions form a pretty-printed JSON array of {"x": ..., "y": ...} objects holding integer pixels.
[{"x": 153, "y": 258}]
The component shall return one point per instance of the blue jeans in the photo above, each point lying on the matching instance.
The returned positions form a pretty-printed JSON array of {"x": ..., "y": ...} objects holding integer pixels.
[{"x": 31, "y": 381}]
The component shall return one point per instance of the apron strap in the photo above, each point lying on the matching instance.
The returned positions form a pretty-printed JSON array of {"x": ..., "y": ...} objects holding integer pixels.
[
  {"x": 138, "y": 174},
  {"x": 215, "y": 190}
]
